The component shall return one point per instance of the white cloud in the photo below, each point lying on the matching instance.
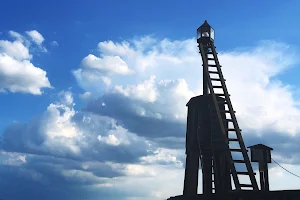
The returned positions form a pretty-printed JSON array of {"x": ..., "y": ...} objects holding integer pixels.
[
  {"x": 21, "y": 76},
  {"x": 60, "y": 132},
  {"x": 63, "y": 132},
  {"x": 176, "y": 66},
  {"x": 263, "y": 103},
  {"x": 92, "y": 81},
  {"x": 66, "y": 98},
  {"x": 159, "y": 182},
  {"x": 110, "y": 139},
  {"x": 17, "y": 73},
  {"x": 164, "y": 156},
  {"x": 16, "y": 35},
  {"x": 14, "y": 159},
  {"x": 144, "y": 91},
  {"x": 54, "y": 43},
  {"x": 15, "y": 50},
  {"x": 107, "y": 64},
  {"x": 35, "y": 36},
  {"x": 85, "y": 95}
]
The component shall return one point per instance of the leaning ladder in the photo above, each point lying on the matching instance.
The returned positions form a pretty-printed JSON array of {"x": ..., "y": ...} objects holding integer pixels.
[{"x": 206, "y": 51}]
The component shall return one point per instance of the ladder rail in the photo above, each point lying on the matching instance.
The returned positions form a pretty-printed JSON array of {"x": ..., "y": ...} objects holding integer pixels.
[
  {"x": 232, "y": 166},
  {"x": 235, "y": 123}
]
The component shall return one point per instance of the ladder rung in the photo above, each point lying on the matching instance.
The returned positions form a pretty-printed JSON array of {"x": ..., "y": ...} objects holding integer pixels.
[
  {"x": 212, "y": 72},
  {"x": 218, "y": 94},
  {"x": 232, "y": 129},
  {"x": 218, "y": 86},
  {"x": 239, "y": 161},
  {"x": 244, "y": 173},
  {"x": 239, "y": 173},
  {"x": 226, "y": 111},
  {"x": 210, "y": 59},
  {"x": 233, "y": 139},
  {"x": 213, "y": 65},
  {"x": 236, "y": 150},
  {"x": 216, "y": 79},
  {"x": 246, "y": 185},
  {"x": 215, "y": 118}
]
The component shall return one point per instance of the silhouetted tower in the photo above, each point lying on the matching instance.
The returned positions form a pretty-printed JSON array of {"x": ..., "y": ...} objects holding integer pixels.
[{"x": 213, "y": 134}]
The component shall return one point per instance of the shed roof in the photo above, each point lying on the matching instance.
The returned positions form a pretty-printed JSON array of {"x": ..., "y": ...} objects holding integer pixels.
[{"x": 259, "y": 146}]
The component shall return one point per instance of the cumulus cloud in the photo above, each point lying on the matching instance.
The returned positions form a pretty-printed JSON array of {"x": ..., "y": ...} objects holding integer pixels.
[
  {"x": 65, "y": 148},
  {"x": 63, "y": 132},
  {"x": 168, "y": 74},
  {"x": 35, "y": 36},
  {"x": 129, "y": 142},
  {"x": 17, "y": 72},
  {"x": 86, "y": 95},
  {"x": 144, "y": 91},
  {"x": 107, "y": 64},
  {"x": 15, "y": 50},
  {"x": 148, "y": 109},
  {"x": 175, "y": 74}
]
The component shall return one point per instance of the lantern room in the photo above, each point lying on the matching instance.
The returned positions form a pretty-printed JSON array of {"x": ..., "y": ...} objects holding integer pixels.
[{"x": 205, "y": 31}]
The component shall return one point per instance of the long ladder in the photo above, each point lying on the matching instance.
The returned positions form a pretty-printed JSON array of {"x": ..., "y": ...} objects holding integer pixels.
[{"x": 206, "y": 51}]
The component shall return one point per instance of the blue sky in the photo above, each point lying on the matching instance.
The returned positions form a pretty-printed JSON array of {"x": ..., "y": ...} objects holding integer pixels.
[{"x": 97, "y": 89}]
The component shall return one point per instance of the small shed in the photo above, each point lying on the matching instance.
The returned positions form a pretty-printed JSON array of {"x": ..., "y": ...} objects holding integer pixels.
[{"x": 260, "y": 153}]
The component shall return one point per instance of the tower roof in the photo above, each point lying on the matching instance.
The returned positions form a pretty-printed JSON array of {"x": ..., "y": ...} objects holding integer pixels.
[{"x": 205, "y": 24}]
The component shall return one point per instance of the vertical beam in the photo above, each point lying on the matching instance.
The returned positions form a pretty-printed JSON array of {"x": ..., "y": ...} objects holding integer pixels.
[
  {"x": 191, "y": 174},
  {"x": 262, "y": 181},
  {"x": 221, "y": 167},
  {"x": 203, "y": 123},
  {"x": 207, "y": 172},
  {"x": 266, "y": 176},
  {"x": 190, "y": 187},
  {"x": 217, "y": 172}
]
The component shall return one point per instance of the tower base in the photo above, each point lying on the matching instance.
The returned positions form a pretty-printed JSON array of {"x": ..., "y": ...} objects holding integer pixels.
[{"x": 245, "y": 195}]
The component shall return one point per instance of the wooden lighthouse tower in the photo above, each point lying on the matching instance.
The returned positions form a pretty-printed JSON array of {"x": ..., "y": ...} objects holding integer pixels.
[
  {"x": 213, "y": 134},
  {"x": 214, "y": 140}
]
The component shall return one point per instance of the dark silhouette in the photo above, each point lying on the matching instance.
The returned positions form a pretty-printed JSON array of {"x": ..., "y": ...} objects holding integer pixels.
[
  {"x": 213, "y": 136},
  {"x": 262, "y": 154}
]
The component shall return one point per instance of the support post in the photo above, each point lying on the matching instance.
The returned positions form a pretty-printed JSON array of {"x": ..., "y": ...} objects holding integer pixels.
[
  {"x": 207, "y": 172},
  {"x": 191, "y": 174},
  {"x": 266, "y": 177}
]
